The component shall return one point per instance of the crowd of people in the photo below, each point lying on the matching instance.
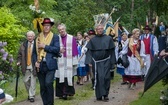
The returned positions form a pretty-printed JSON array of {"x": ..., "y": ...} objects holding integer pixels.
[{"x": 90, "y": 57}]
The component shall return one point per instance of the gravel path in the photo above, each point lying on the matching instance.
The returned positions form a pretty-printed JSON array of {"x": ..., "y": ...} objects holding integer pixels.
[{"x": 119, "y": 95}]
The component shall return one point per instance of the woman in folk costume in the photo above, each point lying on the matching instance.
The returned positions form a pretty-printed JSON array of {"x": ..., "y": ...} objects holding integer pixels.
[
  {"x": 87, "y": 37},
  {"x": 136, "y": 55},
  {"x": 81, "y": 72},
  {"x": 66, "y": 64},
  {"x": 151, "y": 47},
  {"x": 120, "y": 50},
  {"x": 91, "y": 33}
]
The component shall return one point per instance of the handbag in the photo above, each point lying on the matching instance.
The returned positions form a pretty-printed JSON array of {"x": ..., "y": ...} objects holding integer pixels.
[{"x": 125, "y": 62}]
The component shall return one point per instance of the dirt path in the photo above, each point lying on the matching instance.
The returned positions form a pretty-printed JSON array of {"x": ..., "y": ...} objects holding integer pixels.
[{"x": 119, "y": 95}]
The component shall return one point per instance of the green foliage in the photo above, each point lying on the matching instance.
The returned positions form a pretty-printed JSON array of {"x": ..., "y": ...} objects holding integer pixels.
[
  {"x": 78, "y": 14},
  {"x": 164, "y": 96},
  {"x": 135, "y": 17},
  {"x": 151, "y": 97},
  {"x": 6, "y": 61},
  {"x": 22, "y": 92},
  {"x": 22, "y": 12},
  {"x": 10, "y": 30},
  {"x": 160, "y": 6},
  {"x": 80, "y": 18}
]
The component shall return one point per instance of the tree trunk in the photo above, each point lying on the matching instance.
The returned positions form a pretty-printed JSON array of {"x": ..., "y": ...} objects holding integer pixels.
[{"x": 132, "y": 10}]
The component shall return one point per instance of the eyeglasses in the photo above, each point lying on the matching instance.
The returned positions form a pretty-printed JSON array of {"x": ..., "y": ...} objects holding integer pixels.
[{"x": 46, "y": 25}]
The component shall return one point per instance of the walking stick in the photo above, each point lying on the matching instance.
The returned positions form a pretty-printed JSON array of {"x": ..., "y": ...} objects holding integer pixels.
[{"x": 17, "y": 80}]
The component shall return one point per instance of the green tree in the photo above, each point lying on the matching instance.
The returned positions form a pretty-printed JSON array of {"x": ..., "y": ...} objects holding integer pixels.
[
  {"x": 81, "y": 17},
  {"x": 78, "y": 15},
  {"x": 21, "y": 10},
  {"x": 11, "y": 30}
]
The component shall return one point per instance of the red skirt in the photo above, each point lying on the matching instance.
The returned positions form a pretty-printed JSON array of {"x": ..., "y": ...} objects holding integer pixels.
[{"x": 133, "y": 79}]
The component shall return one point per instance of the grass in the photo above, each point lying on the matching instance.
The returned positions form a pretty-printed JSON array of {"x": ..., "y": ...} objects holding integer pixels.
[
  {"x": 151, "y": 97},
  {"x": 82, "y": 92},
  {"x": 22, "y": 93}
]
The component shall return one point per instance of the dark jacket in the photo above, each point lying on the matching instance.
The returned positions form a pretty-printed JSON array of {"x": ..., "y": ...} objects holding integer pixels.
[
  {"x": 52, "y": 51},
  {"x": 22, "y": 57}
]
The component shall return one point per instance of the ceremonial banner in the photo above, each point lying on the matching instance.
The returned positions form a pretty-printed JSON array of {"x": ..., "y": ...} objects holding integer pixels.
[{"x": 103, "y": 18}]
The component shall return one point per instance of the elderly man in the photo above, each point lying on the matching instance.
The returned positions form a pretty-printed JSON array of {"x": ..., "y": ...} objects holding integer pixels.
[
  {"x": 66, "y": 64},
  {"x": 47, "y": 50},
  {"x": 27, "y": 61},
  {"x": 101, "y": 56}
]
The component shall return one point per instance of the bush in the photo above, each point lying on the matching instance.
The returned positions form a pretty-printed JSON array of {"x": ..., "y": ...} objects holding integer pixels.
[
  {"x": 10, "y": 30},
  {"x": 6, "y": 61},
  {"x": 164, "y": 92},
  {"x": 11, "y": 33}
]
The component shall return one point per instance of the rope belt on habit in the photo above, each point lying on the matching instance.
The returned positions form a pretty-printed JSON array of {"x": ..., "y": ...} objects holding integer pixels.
[{"x": 95, "y": 82}]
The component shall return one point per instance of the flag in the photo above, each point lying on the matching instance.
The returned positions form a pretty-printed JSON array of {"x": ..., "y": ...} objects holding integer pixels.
[
  {"x": 103, "y": 18},
  {"x": 37, "y": 24},
  {"x": 36, "y": 4},
  {"x": 116, "y": 28},
  {"x": 109, "y": 30},
  {"x": 156, "y": 21},
  {"x": 142, "y": 27},
  {"x": 125, "y": 30},
  {"x": 147, "y": 22}
]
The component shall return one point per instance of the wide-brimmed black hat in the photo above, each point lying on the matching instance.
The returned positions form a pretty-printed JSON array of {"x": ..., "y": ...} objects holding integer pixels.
[
  {"x": 147, "y": 28},
  {"x": 47, "y": 21}
]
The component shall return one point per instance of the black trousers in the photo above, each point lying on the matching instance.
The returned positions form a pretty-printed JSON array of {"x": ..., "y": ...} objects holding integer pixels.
[
  {"x": 63, "y": 88},
  {"x": 46, "y": 79}
]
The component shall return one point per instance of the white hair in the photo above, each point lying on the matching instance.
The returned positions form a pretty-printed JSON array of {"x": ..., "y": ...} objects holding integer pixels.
[
  {"x": 62, "y": 25},
  {"x": 30, "y": 33}
]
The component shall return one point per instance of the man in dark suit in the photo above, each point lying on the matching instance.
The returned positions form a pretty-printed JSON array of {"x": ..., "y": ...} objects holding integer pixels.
[{"x": 47, "y": 50}]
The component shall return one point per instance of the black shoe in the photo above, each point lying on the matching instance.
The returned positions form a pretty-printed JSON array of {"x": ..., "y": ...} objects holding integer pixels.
[
  {"x": 124, "y": 83},
  {"x": 106, "y": 99},
  {"x": 134, "y": 84},
  {"x": 28, "y": 98},
  {"x": 129, "y": 85},
  {"x": 77, "y": 83},
  {"x": 64, "y": 97},
  {"x": 31, "y": 99},
  {"x": 92, "y": 88},
  {"x": 99, "y": 99},
  {"x": 60, "y": 97}
]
